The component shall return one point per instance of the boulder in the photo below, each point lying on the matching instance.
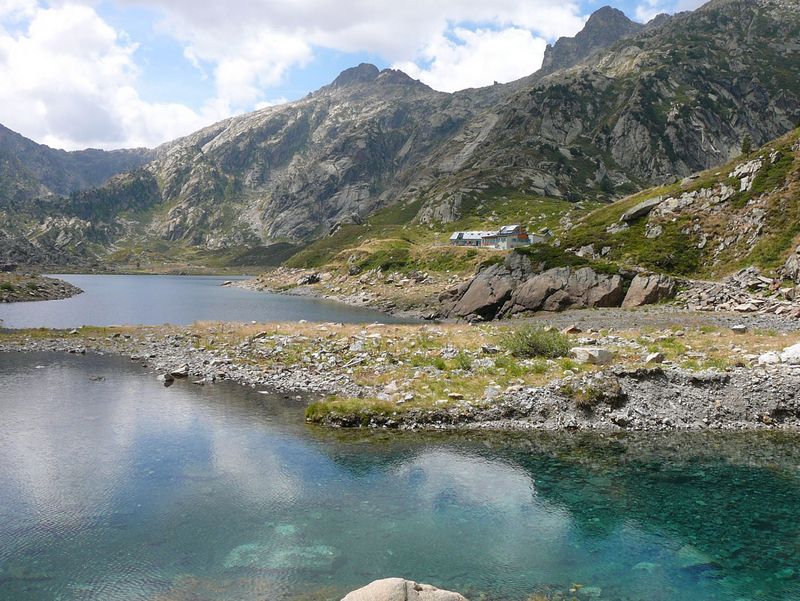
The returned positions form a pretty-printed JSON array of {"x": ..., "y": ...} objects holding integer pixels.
[
  {"x": 769, "y": 358},
  {"x": 791, "y": 355},
  {"x": 649, "y": 289},
  {"x": 398, "y": 589},
  {"x": 561, "y": 288},
  {"x": 308, "y": 279},
  {"x": 641, "y": 209},
  {"x": 592, "y": 355},
  {"x": 485, "y": 294},
  {"x": 654, "y": 358},
  {"x": 791, "y": 269}
]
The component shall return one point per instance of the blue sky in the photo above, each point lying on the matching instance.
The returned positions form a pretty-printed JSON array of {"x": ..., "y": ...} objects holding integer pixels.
[{"x": 121, "y": 73}]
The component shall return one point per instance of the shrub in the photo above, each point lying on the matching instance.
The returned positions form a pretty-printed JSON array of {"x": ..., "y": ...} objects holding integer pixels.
[
  {"x": 535, "y": 341},
  {"x": 7, "y": 286},
  {"x": 463, "y": 361}
]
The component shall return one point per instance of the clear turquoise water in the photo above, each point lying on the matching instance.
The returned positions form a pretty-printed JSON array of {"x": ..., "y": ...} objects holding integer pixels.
[
  {"x": 120, "y": 489},
  {"x": 157, "y": 299}
]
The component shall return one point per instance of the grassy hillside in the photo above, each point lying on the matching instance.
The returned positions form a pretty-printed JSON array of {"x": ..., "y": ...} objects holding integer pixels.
[
  {"x": 391, "y": 240},
  {"x": 711, "y": 225}
]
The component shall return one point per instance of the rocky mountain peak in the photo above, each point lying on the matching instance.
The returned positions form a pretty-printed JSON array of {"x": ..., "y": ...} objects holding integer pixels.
[
  {"x": 604, "y": 27},
  {"x": 363, "y": 73}
]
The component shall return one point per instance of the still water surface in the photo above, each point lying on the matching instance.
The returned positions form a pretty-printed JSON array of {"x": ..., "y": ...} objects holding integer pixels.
[
  {"x": 180, "y": 300},
  {"x": 115, "y": 488}
]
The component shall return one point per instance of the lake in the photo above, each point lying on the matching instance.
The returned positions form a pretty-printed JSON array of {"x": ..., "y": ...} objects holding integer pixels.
[
  {"x": 180, "y": 300},
  {"x": 113, "y": 487}
]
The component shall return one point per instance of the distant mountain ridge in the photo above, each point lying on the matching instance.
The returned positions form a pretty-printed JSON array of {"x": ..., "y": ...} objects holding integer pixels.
[
  {"x": 619, "y": 107},
  {"x": 38, "y": 170}
]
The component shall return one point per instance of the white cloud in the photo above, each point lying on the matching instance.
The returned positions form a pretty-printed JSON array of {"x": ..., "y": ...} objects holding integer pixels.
[
  {"x": 253, "y": 44},
  {"x": 69, "y": 81},
  {"x": 478, "y": 58}
]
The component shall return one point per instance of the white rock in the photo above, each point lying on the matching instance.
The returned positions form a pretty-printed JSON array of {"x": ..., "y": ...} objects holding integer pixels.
[
  {"x": 791, "y": 355},
  {"x": 770, "y": 358},
  {"x": 654, "y": 358},
  {"x": 592, "y": 355},
  {"x": 739, "y": 329},
  {"x": 398, "y": 589}
]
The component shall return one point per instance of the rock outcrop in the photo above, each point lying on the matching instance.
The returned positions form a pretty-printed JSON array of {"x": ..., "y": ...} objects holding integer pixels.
[
  {"x": 648, "y": 290},
  {"x": 604, "y": 27},
  {"x": 398, "y": 589},
  {"x": 518, "y": 285}
]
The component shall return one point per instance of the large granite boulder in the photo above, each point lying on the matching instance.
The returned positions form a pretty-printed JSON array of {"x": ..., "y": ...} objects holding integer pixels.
[
  {"x": 516, "y": 286},
  {"x": 648, "y": 290},
  {"x": 641, "y": 209},
  {"x": 566, "y": 288},
  {"x": 398, "y": 589},
  {"x": 483, "y": 296}
]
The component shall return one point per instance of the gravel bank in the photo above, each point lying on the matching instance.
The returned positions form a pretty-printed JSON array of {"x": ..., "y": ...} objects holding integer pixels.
[
  {"x": 15, "y": 288},
  {"x": 744, "y": 396}
]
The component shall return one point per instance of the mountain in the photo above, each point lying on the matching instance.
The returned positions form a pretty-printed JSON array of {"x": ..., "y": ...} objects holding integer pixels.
[
  {"x": 604, "y": 27},
  {"x": 29, "y": 170},
  {"x": 617, "y": 108},
  {"x": 676, "y": 97}
]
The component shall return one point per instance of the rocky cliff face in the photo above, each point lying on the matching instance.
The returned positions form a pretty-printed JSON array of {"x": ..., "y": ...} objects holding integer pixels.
[
  {"x": 673, "y": 98},
  {"x": 297, "y": 170},
  {"x": 604, "y": 27}
]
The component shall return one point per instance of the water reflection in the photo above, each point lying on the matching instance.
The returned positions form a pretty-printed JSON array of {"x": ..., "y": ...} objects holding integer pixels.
[
  {"x": 158, "y": 299},
  {"x": 117, "y": 488}
]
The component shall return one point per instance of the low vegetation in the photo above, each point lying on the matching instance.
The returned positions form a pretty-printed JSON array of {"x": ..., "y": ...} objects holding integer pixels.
[
  {"x": 428, "y": 367},
  {"x": 535, "y": 341},
  {"x": 689, "y": 241}
]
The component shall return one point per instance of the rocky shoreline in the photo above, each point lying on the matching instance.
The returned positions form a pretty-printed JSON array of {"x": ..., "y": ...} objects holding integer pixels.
[
  {"x": 17, "y": 287},
  {"x": 380, "y": 376}
]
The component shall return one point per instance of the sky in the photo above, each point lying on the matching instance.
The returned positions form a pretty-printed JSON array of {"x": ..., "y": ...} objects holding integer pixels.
[{"x": 129, "y": 73}]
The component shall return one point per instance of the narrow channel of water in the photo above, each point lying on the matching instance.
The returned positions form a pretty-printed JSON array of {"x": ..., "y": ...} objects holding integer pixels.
[
  {"x": 180, "y": 300},
  {"x": 113, "y": 487}
]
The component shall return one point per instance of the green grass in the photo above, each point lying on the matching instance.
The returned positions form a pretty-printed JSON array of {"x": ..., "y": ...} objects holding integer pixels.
[
  {"x": 359, "y": 411},
  {"x": 550, "y": 257},
  {"x": 487, "y": 210},
  {"x": 676, "y": 251},
  {"x": 534, "y": 341},
  {"x": 7, "y": 286}
]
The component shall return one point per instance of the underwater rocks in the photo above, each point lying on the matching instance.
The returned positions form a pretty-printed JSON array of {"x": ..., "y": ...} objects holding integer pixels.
[
  {"x": 398, "y": 589},
  {"x": 277, "y": 557}
]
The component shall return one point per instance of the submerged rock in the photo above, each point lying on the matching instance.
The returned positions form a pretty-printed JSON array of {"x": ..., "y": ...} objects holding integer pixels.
[
  {"x": 398, "y": 589},
  {"x": 273, "y": 556}
]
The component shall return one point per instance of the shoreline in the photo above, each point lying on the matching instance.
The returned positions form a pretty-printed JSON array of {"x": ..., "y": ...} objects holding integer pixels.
[
  {"x": 412, "y": 377},
  {"x": 16, "y": 287}
]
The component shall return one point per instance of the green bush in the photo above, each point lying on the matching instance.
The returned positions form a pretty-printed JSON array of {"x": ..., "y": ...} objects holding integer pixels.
[
  {"x": 535, "y": 341},
  {"x": 7, "y": 286}
]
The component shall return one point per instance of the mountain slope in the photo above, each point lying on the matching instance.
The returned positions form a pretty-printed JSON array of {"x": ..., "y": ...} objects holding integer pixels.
[
  {"x": 744, "y": 213},
  {"x": 29, "y": 170},
  {"x": 618, "y": 108},
  {"x": 674, "y": 98}
]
